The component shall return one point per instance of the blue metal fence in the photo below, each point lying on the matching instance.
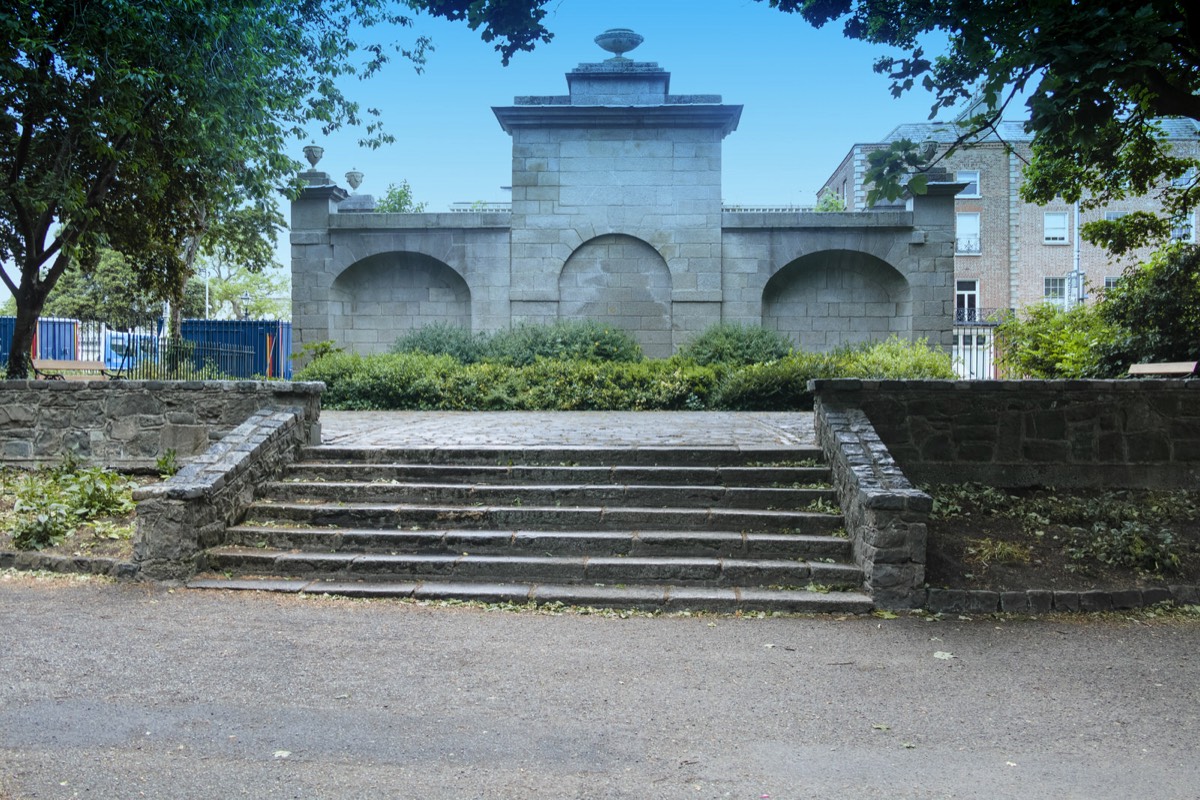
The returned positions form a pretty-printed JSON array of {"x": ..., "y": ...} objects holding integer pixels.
[
  {"x": 56, "y": 338},
  {"x": 231, "y": 348},
  {"x": 270, "y": 341}
]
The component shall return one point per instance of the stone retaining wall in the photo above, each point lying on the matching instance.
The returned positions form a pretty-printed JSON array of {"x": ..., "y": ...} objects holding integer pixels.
[
  {"x": 885, "y": 516},
  {"x": 1111, "y": 433},
  {"x": 128, "y": 425},
  {"x": 179, "y": 518}
]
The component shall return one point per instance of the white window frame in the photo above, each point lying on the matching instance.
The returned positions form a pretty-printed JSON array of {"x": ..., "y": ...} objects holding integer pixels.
[
  {"x": 1054, "y": 291},
  {"x": 965, "y": 176},
  {"x": 966, "y": 244},
  {"x": 1110, "y": 281},
  {"x": 1050, "y": 232},
  {"x": 1113, "y": 216},
  {"x": 1184, "y": 229},
  {"x": 966, "y": 301}
]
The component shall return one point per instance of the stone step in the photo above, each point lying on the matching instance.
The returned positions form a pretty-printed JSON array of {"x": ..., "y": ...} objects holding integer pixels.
[
  {"x": 715, "y": 544},
  {"x": 781, "y": 477},
  {"x": 415, "y": 516},
  {"x": 651, "y": 597},
  {"x": 606, "y": 494},
  {"x": 635, "y": 570},
  {"x": 560, "y": 456}
]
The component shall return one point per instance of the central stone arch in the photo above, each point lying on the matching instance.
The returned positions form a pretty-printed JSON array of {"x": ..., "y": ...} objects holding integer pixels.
[
  {"x": 621, "y": 281},
  {"x": 836, "y": 297},
  {"x": 377, "y": 299}
]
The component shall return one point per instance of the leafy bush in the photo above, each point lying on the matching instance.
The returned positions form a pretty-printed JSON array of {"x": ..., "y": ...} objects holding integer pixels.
[
  {"x": 1047, "y": 342},
  {"x": 892, "y": 359},
  {"x": 1153, "y": 312},
  {"x": 783, "y": 385},
  {"x": 43, "y": 515},
  {"x": 566, "y": 340},
  {"x": 442, "y": 338},
  {"x": 774, "y": 386},
  {"x": 730, "y": 343},
  {"x": 422, "y": 381},
  {"x": 97, "y": 492},
  {"x": 49, "y": 505},
  {"x": 1131, "y": 544},
  {"x": 1150, "y": 315}
]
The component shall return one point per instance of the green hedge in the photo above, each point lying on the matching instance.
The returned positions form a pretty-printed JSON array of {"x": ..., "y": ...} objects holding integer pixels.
[
  {"x": 731, "y": 343},
  {"x": 440, "y": 382},
  {"x": 523, "y": 344}
]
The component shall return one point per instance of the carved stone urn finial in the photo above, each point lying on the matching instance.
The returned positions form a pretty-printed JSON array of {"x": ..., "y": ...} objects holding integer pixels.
[
  {"x": 619, "y": 41},
  {"x": 313, "y": 153},
  {"x": 354, "y": 178}
]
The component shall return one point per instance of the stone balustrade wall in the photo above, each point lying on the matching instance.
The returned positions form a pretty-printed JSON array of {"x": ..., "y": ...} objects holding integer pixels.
[
  {"x": 128, "y": 425},
  {"x": 1083, "y": 433},
  {"x": 885, "y": 515},
  {"x": 179, "y": 518}
]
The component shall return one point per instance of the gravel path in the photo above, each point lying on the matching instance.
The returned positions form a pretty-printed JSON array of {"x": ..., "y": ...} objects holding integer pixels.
[{"x": 125, "y": 691}]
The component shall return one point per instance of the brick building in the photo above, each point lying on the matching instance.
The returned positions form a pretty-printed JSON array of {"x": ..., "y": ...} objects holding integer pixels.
[{"x": 1008, "y": 253}]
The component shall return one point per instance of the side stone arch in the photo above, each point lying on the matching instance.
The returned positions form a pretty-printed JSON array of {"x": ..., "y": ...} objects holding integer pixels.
[
  {"x": 621, "y": 281},
  {"x": 381, "y": 297},
  {"x": 836, "y": 297}
]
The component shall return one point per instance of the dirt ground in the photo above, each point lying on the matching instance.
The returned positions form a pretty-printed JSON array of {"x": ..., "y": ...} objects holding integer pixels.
[{"x": 1027, "y": 540}]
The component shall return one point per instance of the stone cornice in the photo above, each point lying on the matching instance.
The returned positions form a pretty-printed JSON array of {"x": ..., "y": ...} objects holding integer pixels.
[{"x": 722, "y": 117}]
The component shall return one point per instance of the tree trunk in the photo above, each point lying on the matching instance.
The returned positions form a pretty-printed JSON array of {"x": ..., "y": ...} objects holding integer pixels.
[{"x": 22, "y": 340}]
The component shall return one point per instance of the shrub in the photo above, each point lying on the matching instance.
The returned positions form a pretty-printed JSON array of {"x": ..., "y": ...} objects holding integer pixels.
[
  {"x": 774, "y": 386},
  {"x": 49, "y": 505},
  {"x": 783, "y": 385},
  {"x": 442, "y": 338},
  {"x": 1047, "y": 342},
  {"x": 730, "y": 343},
  {"x": 419, "y": 381},
  {"x": 892, "y": 359},
  {"x": 566, "y": 340},
  {"x": 1131, "y": 544},
  {"x": 1153, "y": 311}
]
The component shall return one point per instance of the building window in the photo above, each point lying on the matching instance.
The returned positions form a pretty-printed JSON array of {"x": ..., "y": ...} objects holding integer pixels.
[
  {"x": 1055, "y": 292},
  {"x": 1054, "y": 227},
  {"x": 971, "y": 178},
  {"x": 1113, "y": 216},
  {"x": 1183, "y": 229},
  {"x": 966, "y": 241},
  {"x": 966, "y": 301},
  {"x": 1185, "y": 180},
  {"x": 1110, "y": 281}
]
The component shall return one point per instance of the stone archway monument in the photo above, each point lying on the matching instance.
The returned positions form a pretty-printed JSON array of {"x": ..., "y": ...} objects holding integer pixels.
[{"x": 618, "y": 165}]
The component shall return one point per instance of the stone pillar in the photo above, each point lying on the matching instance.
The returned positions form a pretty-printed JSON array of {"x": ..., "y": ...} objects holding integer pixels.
[
  {"x": 312, "y": 257},
  {"x": 932, "y": 253}
]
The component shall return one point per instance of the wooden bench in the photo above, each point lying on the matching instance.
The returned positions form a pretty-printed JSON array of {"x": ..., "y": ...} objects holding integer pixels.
[
  {"x": 55, "y": 370},
  {"x": 1175, "y": 369}
]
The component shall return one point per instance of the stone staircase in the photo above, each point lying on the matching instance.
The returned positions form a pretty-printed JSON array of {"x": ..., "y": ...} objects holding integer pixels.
[{"x": 671, "y": 528}]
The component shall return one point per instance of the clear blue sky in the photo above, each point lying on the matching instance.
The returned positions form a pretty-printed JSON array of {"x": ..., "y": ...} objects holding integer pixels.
[{"x": 808, "y": 95}]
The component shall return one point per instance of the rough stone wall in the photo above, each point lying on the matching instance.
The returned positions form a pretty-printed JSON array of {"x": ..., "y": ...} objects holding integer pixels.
[
  {"x": 128, "y": 425},
  {"x": 183, "y": 516},
  {"x": 1114, "y": 433},
  {"x": 885, "y": 516}
]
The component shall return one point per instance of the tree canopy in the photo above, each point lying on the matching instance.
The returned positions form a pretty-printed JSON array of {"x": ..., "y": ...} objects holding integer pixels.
[
  {"x": 1096, "y": 78},
  {"x": 139, "y": 127}
]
